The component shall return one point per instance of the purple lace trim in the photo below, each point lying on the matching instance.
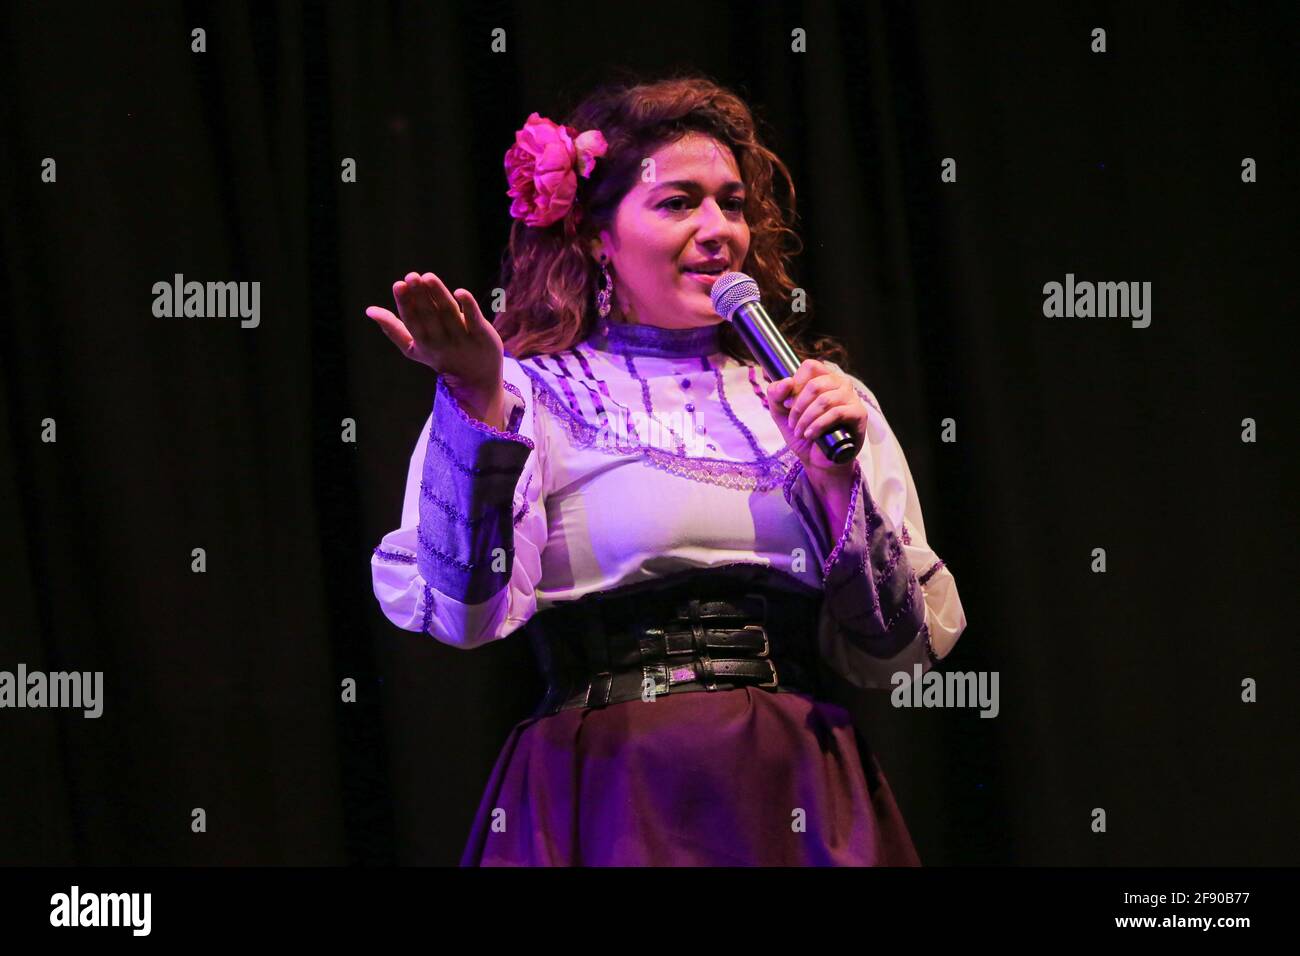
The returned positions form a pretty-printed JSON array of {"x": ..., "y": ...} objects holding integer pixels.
[
  {"x": 935, "y": 659},
  {"x": 934, "y": 569},
  {"x": 649, "y": 407},
  {"x": 428, "y": 608},
  {"x": 428, "y": 547},
  {"x": 847, "y": 531},
  {"x": 726, "y": 406},
  {"x": 445, "y": 558},
  {"x": 451, "y": 511},
  {"x": 765, "y": 473},
  {"x": 813, "y": 526},
  {"x": 602, "y": 388},
  {"x": 874, "y": 519},
  {"x": 563, "y": 376},
  {"x": 396, "y": 557},
  {"x": 788, "y": 488},
  {"x": 903, "y": 608},
  {"x": 524, "y": 510},
  {"x": 449, "y": 453},
  {"x": 477, "y": 425},
  {"x": 762, "y": 397},
  {"x": 517, "y": 413}
]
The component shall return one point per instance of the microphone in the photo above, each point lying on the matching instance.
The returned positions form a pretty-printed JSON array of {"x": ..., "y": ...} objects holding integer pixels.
[{"x": 736, "y": 298}]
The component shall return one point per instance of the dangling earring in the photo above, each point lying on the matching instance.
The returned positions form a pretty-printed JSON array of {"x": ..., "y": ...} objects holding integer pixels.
[{"x": 605, "y": 294}]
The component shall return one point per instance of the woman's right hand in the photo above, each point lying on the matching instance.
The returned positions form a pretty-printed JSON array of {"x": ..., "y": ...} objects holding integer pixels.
[{"x": 450, "y": 335}]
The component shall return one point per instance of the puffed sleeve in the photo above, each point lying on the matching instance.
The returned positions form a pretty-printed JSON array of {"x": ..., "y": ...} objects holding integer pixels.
[
  {"x": 890, "y": 602},
  {"x": 465, "y": 563}
]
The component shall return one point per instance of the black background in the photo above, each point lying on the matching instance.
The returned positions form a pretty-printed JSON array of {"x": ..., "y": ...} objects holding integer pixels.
[{"x": 1119, "y": 690}]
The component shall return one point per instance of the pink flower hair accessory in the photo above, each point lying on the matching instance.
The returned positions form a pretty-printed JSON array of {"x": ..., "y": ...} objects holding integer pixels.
[{"x": 543, "y": 167}]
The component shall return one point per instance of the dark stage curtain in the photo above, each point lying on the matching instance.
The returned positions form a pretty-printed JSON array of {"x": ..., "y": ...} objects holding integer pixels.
[{"x": 222, "y": 690}]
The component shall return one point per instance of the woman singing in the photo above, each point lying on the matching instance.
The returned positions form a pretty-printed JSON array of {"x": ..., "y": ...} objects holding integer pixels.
[{"x": 607, "y": 471}]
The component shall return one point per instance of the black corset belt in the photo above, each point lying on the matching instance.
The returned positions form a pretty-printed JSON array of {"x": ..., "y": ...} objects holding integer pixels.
[{"x": 699, "y": 633}]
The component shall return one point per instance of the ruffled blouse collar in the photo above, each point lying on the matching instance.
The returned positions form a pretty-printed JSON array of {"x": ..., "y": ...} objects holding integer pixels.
[{"x": 653, "y": 340}]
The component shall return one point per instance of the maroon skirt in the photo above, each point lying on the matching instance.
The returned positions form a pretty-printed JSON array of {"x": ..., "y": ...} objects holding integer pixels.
[{"x": 732, "y": 777}]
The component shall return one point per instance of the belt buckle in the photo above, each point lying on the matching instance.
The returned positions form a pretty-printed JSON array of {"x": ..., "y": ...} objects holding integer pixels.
[
  {"x": 767, "y": 644},
  {"x": 660, "y": 674},
  {"x": 703, "y": 666},
  {"x": 776, "y": 679},
  {"x": 708, "y": 684}
]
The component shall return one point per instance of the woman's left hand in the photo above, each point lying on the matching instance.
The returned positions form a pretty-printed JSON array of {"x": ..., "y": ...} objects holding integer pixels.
[{"x": 822, "y": 398}]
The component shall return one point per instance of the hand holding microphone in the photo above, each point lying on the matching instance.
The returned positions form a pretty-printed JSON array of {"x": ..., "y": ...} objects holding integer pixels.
[{"x": 813, "y": 405}]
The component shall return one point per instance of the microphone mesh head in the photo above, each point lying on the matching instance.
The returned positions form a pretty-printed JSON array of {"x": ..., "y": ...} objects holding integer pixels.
[{"x": 730, "y": 291}]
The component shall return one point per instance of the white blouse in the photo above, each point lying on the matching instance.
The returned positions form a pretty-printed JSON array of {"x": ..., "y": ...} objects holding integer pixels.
[{"x": 640, "y": 453}]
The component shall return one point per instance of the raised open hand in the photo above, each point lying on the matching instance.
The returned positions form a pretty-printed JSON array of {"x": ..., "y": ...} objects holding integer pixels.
[{"x": 447, "y": 333}]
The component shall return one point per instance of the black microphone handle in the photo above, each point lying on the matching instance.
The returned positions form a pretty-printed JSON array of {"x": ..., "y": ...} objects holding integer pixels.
[{"x": 771, "y": 351}]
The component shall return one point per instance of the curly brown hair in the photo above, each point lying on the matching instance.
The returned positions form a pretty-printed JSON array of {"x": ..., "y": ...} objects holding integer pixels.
[{"x": 548, "y": 274}]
